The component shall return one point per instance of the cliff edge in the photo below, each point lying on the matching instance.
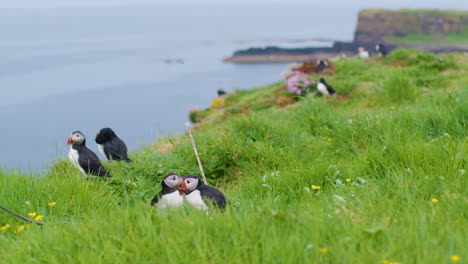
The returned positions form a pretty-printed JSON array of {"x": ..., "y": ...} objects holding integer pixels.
[{"x": 378, "y": 25}]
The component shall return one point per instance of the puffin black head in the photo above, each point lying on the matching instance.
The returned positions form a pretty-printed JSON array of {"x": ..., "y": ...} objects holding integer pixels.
[
  {"x": 104, "y": 135},
  {"x": 191, "y": 182},
  {"x": 77, "y": 138},
  {"x": 322, "y": 80},
  {"x": 171, "y": 182},
  {"x": 221, "y": 92}
]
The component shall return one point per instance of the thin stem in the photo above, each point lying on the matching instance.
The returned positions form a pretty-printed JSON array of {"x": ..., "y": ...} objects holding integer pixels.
[
  {"x": 22, "y": 217},
  {"x": 196, "y": 152}
]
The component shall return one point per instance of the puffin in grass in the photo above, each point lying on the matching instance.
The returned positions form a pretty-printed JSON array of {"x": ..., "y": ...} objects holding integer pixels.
[
  {"x": 171, "y": 195},
  {"x": 83, "y": 158},
  {"x": 324, "y": 88},
  {"x": 201, "y": 196},
  {"x": 111, "y": 146}
]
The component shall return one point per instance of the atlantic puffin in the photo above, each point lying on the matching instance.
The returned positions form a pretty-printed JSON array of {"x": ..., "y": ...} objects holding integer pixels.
[
  {"x": 111, "y": 146},
  {"x": 171, "y": 195},
  {"x": 381, "y": 50},
  {"x": 363, "y": 53},
  {"x": 325, "y": 88},
  {"x": 201, "y": 196},
  {"x": 83, "y": 158},
  {"x": 321, "y": 65},
  {"x": 221, "y": 93}
]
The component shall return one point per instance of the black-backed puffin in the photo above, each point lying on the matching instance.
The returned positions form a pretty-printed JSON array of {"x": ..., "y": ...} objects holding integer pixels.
[
  {"x": 381, "y": 50},
  {"x": 201, "y": 196},
  {"x": 321, "y": 65},
  {"x": 111, "y": 146},
  {"x": 83, "y": 158},
  {"x": 325, "y": 88},
  {"x": 171, "y": 195}
]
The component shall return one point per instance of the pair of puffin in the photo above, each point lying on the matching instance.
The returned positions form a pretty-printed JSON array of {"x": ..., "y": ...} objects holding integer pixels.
[
  {"x": 198, "y": 195},
  {"x": 111, "y": 146}
]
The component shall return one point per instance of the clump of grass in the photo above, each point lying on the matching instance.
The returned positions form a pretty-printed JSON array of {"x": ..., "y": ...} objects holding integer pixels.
[{"x": 398, "y": 88}]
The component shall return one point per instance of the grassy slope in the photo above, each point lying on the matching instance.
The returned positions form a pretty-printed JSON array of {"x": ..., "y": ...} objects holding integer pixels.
[{"x": 399, "y": 134}]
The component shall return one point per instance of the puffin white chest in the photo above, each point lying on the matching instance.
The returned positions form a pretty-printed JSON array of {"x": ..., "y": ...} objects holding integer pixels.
[
  {"x": 322, "y": 88},
  {"x": 196, "y": 201},
  {"x": 101, "y": 149},
  {"x": 364, "y": 54},
  {"x": 171, "y": 200},
  {"x": 73, "y": 156}
]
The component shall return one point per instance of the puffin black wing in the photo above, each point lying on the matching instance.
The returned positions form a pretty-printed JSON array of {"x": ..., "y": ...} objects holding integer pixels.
[
  {"x": 330, "y": 89},
  {"x": 213, "y": 195},
  {"x": 156, "y": 198},
  {"x": 115, "y": 149},
  {"x": 91, "y": 163}
]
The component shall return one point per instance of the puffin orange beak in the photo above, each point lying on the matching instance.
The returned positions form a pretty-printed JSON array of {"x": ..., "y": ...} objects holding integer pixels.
[
  {"x": 184, "y": 186},
  {"x": 69, "y": 141}
]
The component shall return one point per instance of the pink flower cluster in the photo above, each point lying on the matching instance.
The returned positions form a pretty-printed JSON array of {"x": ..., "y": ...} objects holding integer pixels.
[{"x": 299, "y": 83}]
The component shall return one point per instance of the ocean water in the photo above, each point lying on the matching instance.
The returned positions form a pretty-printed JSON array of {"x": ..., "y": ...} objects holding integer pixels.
[{"x": 83, "y": 69}]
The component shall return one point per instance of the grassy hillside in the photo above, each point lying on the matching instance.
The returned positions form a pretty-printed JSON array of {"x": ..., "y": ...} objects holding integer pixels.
[
  {"x": 375, "y": 175},
  {"x": 423, "y": 26}
]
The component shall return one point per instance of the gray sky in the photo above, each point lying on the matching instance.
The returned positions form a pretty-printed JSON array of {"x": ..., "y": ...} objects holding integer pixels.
[{"x": 452, "y": 4}]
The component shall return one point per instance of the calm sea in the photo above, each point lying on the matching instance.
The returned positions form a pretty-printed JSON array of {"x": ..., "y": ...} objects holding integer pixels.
[{"x": 84, "y": 69}]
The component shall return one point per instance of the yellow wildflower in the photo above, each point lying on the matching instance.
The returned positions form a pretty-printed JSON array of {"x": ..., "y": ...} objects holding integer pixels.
[
  {"x": 217, "y": 103},
  {"x": 32, "y": 214},
  {"x": 455, "y": 258},
  {"x": 330, "y": 140},
  {"x": 20, "y": 229},
  {"x": 451, "y": 111},
  {"x": 39, "y": 218},
  {"x": 52, "y": 204},
  {"x": 315, "y": 187},
  {"x": 348, "y": 180},
  {"x": 5, "y": 227},
  {"x": 324, "y": 251},
  {"x": 434, "y": 200}
]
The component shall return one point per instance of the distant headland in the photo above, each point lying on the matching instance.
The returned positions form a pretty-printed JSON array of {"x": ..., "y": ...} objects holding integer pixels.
[{"x": 429, "y": 30}]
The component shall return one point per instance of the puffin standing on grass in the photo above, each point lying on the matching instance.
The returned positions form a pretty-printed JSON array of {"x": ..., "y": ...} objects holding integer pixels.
[
  {"x": 201, "y": 196},
  {"x": 325, "y": 88},
  {"x": 363, "y": 53},
  {"x": 171, "y": 195},
  {"x": 321, "y": 65},
  {"x": 381, "y": 50},
  {"x": 83, "y": 158},
  {"x": 111, "y": 146}
]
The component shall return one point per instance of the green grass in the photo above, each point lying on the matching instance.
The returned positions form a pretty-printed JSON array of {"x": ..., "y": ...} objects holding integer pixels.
[
  {"x": 448, "y": 39},
  {"x": 401, "y": 141}
]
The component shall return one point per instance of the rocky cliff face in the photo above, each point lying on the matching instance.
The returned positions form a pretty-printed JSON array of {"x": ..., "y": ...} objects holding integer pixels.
[{"x": 378, "y": 25}]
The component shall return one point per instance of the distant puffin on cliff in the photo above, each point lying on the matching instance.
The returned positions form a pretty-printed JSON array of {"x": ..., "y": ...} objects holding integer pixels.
[
  {"x": 324, "y": 88},
  {"x": 363, "y": 53},
  {"x": 221, "y": 93},
  {"x": 321, "y": 65},
  {"x": 83, "y": 158},
  {"x": 381, "y": 50},
  {"x": 111, "y": 146}
]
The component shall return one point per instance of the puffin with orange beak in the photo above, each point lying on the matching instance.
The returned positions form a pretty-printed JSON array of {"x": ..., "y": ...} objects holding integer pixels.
[
  {"x": 171, "y": 195},
  {"x": 201, "y": 196},
  {"x": 83, "y": 158}
]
